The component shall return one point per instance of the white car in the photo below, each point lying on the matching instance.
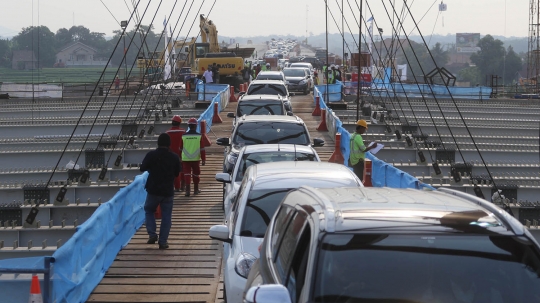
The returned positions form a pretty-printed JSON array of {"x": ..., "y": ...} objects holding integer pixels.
[
  {"x": 305, "y": 65},
  {"x": 257, "y": 154},
  {"x": 259, "y": 195}
]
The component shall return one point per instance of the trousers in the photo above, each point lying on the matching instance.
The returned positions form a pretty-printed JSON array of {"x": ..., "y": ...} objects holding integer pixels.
[
  {"x": 150, "y": 206},
  {"x": 191, "y": 168},
  {"x": 358, "y": 170}
]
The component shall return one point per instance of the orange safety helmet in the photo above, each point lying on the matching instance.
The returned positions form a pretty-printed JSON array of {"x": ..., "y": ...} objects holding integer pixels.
[
  {"x": 192, "y": 121},
  {"x": 177, "y": 118}
]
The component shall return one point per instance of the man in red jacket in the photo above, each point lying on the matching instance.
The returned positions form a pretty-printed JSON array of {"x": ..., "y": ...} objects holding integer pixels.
[{"x": 175, "y": 132}]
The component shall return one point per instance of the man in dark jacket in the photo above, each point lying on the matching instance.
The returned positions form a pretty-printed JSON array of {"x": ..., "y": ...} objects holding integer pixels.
[{"x": 162, "y": 166}]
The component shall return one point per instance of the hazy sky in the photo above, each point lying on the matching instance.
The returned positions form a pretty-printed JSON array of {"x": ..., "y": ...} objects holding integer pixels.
[{"x": 245, "y": 18}]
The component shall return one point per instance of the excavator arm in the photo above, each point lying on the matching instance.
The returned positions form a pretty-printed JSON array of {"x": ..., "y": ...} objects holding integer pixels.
[{"x": 209, "y": 33}]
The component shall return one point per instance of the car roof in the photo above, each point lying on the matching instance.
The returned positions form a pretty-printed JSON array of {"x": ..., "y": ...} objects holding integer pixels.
[
  {"x": 260, "y": 148},
  {"x": 298, "y": 68},
  {"x": 278, "y": 82},
  {"x": 294, "y": 174},
  {"x": 270, "y": 118},
  {"x": 269, "y": 72},
  {"x": 260, "y": 97},
  {"x": 356, "y": 208}
]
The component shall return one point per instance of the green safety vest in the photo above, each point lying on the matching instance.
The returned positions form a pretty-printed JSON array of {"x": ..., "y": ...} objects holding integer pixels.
[
  {"x": 192, "y": 147},
  {"x": 357, "y": 149}
]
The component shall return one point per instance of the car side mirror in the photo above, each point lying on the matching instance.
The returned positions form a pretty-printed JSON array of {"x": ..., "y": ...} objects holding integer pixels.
[
  {"x": 231, "y": 115},
  {"x": 223, "y": 177},
  {"x": 289, "y": 113},
  {"x": 220, "y": 233},
  {"x": 241, "y": 93},
  {"x": 269, "y": 293},
  {"x": 318, "y": 142},
  {"x": 223, "y": 142}
]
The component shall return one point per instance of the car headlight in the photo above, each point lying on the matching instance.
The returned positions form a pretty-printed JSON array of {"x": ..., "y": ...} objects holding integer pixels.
[
  {"x": 244, "y": 263},
  {"x": 231, "y": 159},
  {"x": 302, "y": 82}
]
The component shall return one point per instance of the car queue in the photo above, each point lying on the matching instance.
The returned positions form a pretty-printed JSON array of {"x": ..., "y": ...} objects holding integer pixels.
[{"x": 300, "y": 230}]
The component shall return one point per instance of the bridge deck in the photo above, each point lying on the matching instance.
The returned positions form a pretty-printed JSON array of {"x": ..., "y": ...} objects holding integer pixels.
[{"x": 190, "y": 270}]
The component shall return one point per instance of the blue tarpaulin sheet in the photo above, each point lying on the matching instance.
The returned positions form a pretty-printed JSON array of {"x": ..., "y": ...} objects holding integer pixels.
[
  {"x": 383, "y": 174},
  {"x": 82, "y": 261}
]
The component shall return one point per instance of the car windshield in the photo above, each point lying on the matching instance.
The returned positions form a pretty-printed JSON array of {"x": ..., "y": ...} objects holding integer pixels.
[
  {"x": 273, "y": 156},
  {"x": 265, "y": 132},
  {"x": 267, "y": 89},
  {"x": 260, "y": 208},
  {"x": 294, "y": 72},
  {"x": 426, "y": 268},
  {"x": 270, "y": 77},
  {"x": 300, "y": 65},
  {"x": 260, "y": 107}
]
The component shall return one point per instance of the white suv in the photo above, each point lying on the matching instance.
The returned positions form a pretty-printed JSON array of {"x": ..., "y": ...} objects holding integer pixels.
[{"x": 260, "y": 194}]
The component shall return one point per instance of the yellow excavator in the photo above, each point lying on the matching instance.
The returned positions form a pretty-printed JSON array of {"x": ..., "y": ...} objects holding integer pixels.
[{"x": 203, "y": 55}]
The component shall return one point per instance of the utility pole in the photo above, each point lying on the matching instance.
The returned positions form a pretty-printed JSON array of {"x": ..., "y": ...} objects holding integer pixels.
[
  {"x": 533, "y": 69},
  {"x": 359, "y": 87}
]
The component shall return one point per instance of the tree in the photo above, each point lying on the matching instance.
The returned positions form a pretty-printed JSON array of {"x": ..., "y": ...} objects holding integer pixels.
[
  {"x": 470, "y": 74},
  {"x": 439, "y": 55},
  {"x": 81, "y": 34},
  {"x": 489, "y": 59},
  {"x": 512, "y": 65},
  {"x": 5, "y": 53},
  {"x": 40, "y": 40}
]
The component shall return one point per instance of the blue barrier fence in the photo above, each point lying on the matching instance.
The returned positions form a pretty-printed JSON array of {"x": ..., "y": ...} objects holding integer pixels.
[
  {"x": 80, "y": 264},
  {"x": 219, "y": 93},
  {"x": 383, "y": 174}
]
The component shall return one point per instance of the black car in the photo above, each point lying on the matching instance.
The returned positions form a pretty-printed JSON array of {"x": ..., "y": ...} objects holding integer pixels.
[
  {"x": 184, "y": 71},
  {"x": 298, "y": 79},
  {"x": 393, "y": 245},
  {"x": 317, "y": 64},
  {"x": 251, "y": 130},
  {"x": 270, "y": 87}
]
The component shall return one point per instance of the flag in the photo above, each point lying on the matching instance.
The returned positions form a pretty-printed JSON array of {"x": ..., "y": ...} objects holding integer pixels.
[
  {"x": 370, "y": 19},
  {"x": 165, "y": 22}
]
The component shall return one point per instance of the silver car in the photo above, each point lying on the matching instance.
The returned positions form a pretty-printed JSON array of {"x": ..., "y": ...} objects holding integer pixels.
[
  {"x": 260, "y": 194},
  {"x": 258, "y": 154}
]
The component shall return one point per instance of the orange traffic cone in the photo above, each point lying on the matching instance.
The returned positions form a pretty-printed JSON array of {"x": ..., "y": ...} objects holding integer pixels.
[{"x": 35, "y": 291}]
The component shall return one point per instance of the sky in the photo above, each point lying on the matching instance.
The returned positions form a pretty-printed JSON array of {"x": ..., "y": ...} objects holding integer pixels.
[{"x": 249, "y": 18}]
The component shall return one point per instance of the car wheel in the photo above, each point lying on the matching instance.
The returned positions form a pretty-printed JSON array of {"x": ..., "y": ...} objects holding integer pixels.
[{"x": 306, "y": 91}]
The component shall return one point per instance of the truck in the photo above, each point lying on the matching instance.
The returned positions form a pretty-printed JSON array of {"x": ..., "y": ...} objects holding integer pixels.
[{"x": 203, "y": 55}]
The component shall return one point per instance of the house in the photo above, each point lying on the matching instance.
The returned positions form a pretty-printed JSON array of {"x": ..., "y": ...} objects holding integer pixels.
[
  {"x": 78, "y": 54},
  {"x": 23, "y": 60}
]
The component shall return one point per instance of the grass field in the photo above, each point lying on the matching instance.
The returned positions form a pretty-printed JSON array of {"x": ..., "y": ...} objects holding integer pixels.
[{"x": 59, "y": 75}]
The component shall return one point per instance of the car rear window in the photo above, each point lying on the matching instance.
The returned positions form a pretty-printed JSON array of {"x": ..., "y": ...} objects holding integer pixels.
[
  {"x": 269, "y": 77},
  {"x": 273, "y": 156},
  {"x": 260, "y": 208},
  {"x": 265, "y": 132},
  {"x": 294, "y": 73},
  {"x": 267, "y": 89},
  {"x": 426, "y": 268},
  {"x": 260, "y": 107}
]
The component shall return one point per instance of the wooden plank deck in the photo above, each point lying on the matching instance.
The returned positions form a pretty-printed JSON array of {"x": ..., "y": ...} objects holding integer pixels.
[{"x": 191, "y": 269}]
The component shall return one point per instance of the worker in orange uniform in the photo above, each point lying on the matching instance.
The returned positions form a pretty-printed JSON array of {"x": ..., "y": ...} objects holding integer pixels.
[
  {"x": 175, "y": 132},
  {"x": 192, "y": 153}
]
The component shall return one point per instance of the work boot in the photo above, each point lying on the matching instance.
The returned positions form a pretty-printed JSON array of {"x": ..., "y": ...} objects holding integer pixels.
[
  {"x": 187, "y": 191},
  {"x": 152, "y": 240},
  {"x": 196, "y": 190}
]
